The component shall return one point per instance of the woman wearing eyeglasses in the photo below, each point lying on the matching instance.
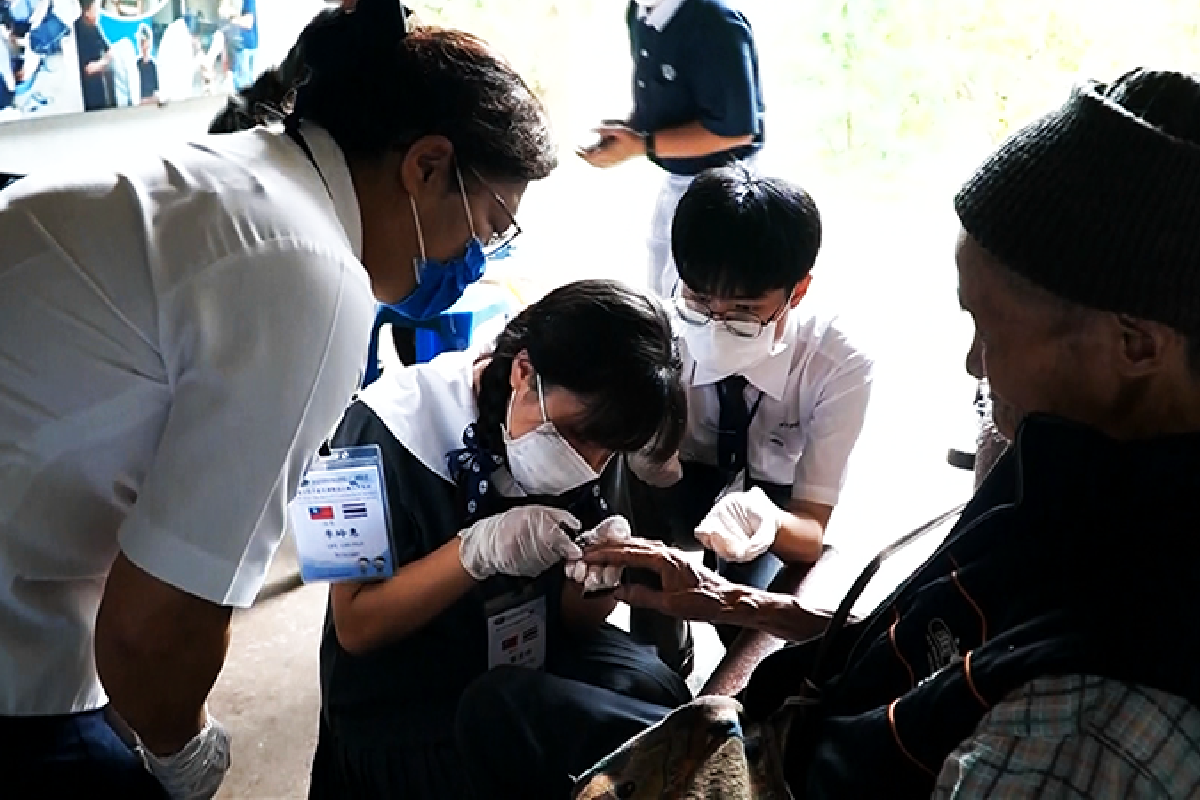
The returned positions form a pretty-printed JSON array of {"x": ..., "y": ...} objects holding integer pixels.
[
  {"x": 178, "y": 334},
  {"x": 776, "y": 396},
  {"x": 493, "y": 471}
]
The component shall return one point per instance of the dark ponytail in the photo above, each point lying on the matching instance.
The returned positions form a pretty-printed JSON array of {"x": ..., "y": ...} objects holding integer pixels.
[{"x": 608, "y": 345}]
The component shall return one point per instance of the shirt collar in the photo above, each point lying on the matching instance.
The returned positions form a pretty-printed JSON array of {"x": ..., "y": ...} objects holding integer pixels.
[
  {"x": 336, "y": 172},
  {"x": 427, "y": 407},
  {"x": 661, "y": 15}
]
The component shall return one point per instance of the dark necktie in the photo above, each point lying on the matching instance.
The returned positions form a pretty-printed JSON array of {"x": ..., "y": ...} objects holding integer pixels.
[{"x": 733, "y": 425}]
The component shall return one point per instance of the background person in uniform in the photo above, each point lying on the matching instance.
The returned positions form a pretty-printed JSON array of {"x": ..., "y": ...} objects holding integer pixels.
[
  {"x": 240, "y": 28},
  {"x": 483, "y": 458},
  {"x": 95, "y": 61},
  {"x": 147, "y": 69},
  {"x": 777, "y": 395},
  {"x": 697, "y": 103},
  {"x": 1048, "y": 648},
  {"x": 176, "y": 339}
]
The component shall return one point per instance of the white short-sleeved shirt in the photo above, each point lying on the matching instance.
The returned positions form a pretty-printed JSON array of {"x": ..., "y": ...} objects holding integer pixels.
[
  {"x": 176, "y": 339},
  {"x": 814, "y": 387}
]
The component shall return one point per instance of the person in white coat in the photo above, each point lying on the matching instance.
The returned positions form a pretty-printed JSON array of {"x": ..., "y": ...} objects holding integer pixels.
[{"x": 177, "y": 337}]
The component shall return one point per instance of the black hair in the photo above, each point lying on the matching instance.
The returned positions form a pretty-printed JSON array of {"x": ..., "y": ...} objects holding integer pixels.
[
  {"x": 608, "y": 345},
  {"x": 378, "y": 83},
  {"x": 84, "y": 5},
  {"x": 738, "y": 235},
  {"x": 377, "y": 87}
]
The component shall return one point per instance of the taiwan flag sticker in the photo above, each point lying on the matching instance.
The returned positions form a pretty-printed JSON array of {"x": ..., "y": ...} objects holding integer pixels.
[{"x": 320, "y": 512}]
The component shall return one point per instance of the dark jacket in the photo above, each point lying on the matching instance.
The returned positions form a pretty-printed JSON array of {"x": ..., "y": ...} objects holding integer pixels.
[{"x": 1078, "y": 554}]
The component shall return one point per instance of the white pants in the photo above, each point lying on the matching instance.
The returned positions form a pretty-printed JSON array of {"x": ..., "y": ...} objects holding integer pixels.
[{"x": 662, "y": 278}]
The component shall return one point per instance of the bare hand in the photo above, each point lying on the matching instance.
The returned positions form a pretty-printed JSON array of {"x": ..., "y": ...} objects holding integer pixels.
[
  {"x": 688, "y": 591},
  {"x": 618, "y": 144}
]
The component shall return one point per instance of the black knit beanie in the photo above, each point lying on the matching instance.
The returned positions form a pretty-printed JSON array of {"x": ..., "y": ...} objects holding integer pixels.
[{"x": 1099, "y": 201}]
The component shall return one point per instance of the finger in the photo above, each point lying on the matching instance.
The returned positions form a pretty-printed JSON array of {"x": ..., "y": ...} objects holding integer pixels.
[
  {"x": 624, "y": 555},
  {"x": 611, "y": 575},
  {"x": 594, "y": 581},
  {"x": 613, "y": 529},
  {"x": 558, "y": 515},
  {"x": 562, "y": 545},
  {"x": 639, "y": 596},
  {"x": 768, "y": 528}
]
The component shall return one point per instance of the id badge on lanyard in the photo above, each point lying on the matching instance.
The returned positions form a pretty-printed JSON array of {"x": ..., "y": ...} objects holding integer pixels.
[
  {"x": 516, "y": 628},
  {"x": 340, "y": 517}
]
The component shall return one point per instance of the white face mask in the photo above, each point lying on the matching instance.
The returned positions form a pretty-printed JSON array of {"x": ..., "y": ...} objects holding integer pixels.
[
  {"x": 542, "y": 462},
  {"x": 719, "y": 353}
]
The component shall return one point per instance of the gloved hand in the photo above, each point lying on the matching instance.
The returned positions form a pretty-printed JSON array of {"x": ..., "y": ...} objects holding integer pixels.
[
  {"x": 196, "y": 771},
  {"x": 741, "y": 526},
  {"x": 658, "y": 475},
  {"x": 597, "y": 577},
  {"x": 523, "y": 541}
]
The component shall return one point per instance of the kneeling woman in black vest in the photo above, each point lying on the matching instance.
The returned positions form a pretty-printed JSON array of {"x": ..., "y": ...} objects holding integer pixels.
[{"x": 483, "y": 459}]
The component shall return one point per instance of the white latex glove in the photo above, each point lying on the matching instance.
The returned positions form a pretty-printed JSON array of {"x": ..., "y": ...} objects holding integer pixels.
[
  {"x": 523, "y": 541},
  {"x": 741, "y": 526},
  {"x": 658, "y": 475},
  {"x": 196, "y": 771},
  {"x": 598, "y": 577}
]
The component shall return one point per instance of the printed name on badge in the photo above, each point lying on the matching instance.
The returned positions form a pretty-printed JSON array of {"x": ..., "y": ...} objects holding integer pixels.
[{"x": 339, "y": 517}]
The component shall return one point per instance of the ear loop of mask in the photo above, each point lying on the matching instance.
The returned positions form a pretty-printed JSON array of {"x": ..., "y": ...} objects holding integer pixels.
[
  {"x": 541, "y": 403},
  {"x": 417, "y": 221},
  {"x": 541, "y": 397}
]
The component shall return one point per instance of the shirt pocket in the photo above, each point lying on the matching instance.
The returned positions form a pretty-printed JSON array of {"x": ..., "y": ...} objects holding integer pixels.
[{"x": 780, "y": 450}]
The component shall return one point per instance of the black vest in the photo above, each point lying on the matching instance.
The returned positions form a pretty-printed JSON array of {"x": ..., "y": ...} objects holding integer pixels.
[{"x": 1078, "y": 554}]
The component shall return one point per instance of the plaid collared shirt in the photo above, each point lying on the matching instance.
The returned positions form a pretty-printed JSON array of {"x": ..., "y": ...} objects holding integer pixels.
[{"x": 1079, "y": 737}]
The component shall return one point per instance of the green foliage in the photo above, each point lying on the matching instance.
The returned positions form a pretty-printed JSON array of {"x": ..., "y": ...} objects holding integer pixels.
[{"x": 874, "y": 86}]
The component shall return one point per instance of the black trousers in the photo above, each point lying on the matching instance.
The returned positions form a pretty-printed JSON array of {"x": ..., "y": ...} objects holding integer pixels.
[
  {"x": 583, "y": 678},
  {"x": 73, "y": 755},
  {"x": 524, "y": 734}
]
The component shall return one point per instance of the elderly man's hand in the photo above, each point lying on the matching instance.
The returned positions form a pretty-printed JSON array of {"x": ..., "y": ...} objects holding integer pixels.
[{"x": 688, "y": 591}]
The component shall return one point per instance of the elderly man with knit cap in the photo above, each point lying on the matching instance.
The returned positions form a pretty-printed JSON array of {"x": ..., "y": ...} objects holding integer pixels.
[{"x": 1050, "y": 647}]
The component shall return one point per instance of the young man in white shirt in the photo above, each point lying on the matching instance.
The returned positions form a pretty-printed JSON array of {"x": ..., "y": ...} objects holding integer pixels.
[{"x": 776, "y": 396}]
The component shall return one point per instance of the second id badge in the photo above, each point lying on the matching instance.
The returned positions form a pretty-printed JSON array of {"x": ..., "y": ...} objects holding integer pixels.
[
  {"x": 516, "y": 629},
  {"x": 340, "y": 517}
]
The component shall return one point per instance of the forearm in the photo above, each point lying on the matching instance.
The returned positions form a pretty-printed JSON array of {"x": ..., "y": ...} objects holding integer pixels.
[
  {"x": 780, "y": 615},
  {"x": 368, "y": 615},
  {"x": 693, "y": 140},
  {"x": 799, "y": 539},
  {"x": 158, "y": 661}
]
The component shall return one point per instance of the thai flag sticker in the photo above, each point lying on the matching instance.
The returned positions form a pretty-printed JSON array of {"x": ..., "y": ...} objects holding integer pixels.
[{"x": 354, "y": 510}]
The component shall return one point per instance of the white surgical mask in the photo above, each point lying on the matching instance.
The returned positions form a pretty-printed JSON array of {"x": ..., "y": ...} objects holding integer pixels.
[
  {"x": 542, "y": 462},
  {"x": 719, "y": 353}
]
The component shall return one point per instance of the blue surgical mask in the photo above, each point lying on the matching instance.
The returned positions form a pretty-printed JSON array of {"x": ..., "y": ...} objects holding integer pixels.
[{"x": 441, "y": 283}]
